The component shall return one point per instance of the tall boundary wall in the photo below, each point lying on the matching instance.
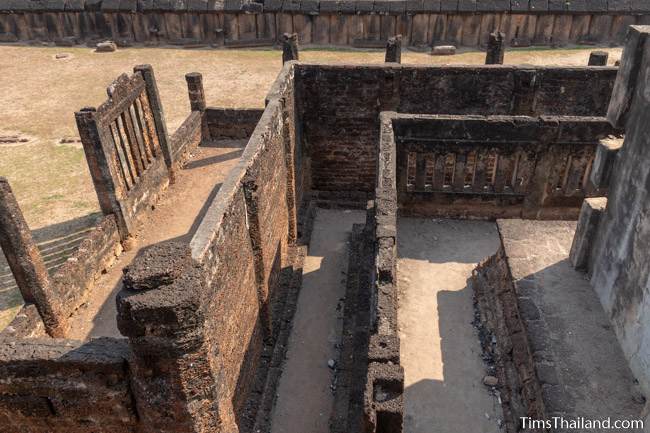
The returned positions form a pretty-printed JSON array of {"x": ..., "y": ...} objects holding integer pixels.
[{"x": 360, "y": 23}]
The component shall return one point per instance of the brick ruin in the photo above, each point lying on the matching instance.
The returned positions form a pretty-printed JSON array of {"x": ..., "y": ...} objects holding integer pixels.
[
  {"x": 356, "y": 23},
  {"x": 205, "y": 322}
]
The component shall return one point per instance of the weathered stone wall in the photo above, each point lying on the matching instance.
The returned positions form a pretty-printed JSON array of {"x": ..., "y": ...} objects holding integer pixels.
[
  {"x": 231, "y": 123},
  {"x": 73, "y": 281},
  {"x": 63, "y": 386},
  {"x": 199, "y": 317},
  {"x": 384, "y": 392},
  {"x": 187, "y": 137},
  {"x": 469, "y": 166},
  {"x": 499, "y": 301},
  {"x": 340, "y": 106},
  {"x": 362, "y": 23},
  {"x": 620, "y": 265}
]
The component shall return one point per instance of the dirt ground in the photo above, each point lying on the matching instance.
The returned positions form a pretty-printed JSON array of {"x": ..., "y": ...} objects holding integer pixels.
[
  {"x": 42, "y": 87},
  {"x": 304, "y": 397},
  {"x": 440, "y": 349}
]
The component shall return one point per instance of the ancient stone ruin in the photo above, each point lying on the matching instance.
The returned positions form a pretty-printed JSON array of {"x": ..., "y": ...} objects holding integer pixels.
[{"x": 324, "y": 264}]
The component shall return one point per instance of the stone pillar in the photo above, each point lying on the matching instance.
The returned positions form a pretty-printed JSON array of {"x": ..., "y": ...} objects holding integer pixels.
[
  {"x": 603, "y": 165},
  {"x": 26, "y": 262},
  {"x": 158, "y": 114},
  {"x": 598, "y": 58},
  {"x": 161, "y": 311},
  {"x": 197, "y": 100},
  {"x": 495, "y": 49},
  {"x": 100, "y": 169},
  {"x": 195, "y": 90},
  {"x": 394, "y": 49},
  {"x": 289, "y": 47},
  {"x": 586, "y": 230}
]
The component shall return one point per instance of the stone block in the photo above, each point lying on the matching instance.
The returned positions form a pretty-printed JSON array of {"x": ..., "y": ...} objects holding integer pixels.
[
  {"x": 432, "y": 6},
  {"x": 603, "y": 164},
  {"x": 381, "y": 6},
  {"x": 626, "y": 80},
  {"x": 598, "y": 58},
  {"x": 93, "y": 5},
  {"x": 106, "y": 47},
  {"x": 291, "y": 5},
  {"x": 110, "y": 5},
  {"x": 444, "y": 50},
  {"x": 557, "y": 5},
  {"x": 55, "y": 5},
  {"x": 492, "y": 5},
  {"x": 518, "y": 5},
  {"x": 467, "y": 5},
  {"x": 597, "y": 5},
  {"x": 397, "y": 7},
  {"x": 619, "y": 5},
  {"x": 449, "y": 5},
  {"x": 197, "y": 5},
  {"x": 577, "y": 5},
  {"x": 538, "y": 5},
  {"x": 586, "y": 231},
  {"x": 74, "y": 5},
  {"x": 347, "y": 6},
  {"x": 640, "y": 6},
  {"x": 326, "y": 6},
  {"x": 232, "y": 5},
  {"x": 365, "y": 6},
  {"x": 309, "y": 7},
  {"x": 130, "y": 6},
  {"x": 145, "y": 5},
  {"x": 413, "y": 6},
  {"x": 276, "y": 5}
]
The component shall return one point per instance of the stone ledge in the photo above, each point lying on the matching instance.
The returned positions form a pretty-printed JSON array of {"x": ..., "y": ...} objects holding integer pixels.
[{"x": 314, "y": 7}]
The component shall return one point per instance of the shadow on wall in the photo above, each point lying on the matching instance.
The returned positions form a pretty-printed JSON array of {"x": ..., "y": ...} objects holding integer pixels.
[
  {"x": 104, "y": 323},
  {"x": 56, "y": 243}
]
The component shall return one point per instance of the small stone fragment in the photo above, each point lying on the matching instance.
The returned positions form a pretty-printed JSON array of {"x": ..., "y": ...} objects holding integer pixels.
[
  {"x": 106, "y": 47},
  {"x": 490, "y": 381},
  {"x": 129, "y": 243},
  {"x": 444, "y": 50},
  {"x": 62, "y": 56},
  {"x": 331, "y": 364}
]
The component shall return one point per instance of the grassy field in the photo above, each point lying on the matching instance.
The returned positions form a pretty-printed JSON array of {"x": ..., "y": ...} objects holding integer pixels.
[{"x": 43, "y": 87}]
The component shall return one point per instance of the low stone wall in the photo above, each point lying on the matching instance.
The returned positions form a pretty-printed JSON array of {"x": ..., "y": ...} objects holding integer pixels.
[
  {"x": 204, "y": 312},
  {"x": 340, "y": 105},
  {"x": 505, "y": 341},
  {"x": 383, "y": 396},
  {"x": 74, "y": 280},
  {"x": 362, "y": 23},
  {"x": 64, "y": 386},
  {"x": 231, "y": 123},
  {"x": 496, "y": 166},
  {"x": 187, "y": 137}
]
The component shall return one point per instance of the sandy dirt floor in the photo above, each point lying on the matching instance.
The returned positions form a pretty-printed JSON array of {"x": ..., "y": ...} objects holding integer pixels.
[
  {"x": 305, "y": 399},
  {"x": 40, "y": 152},
  {"x": 440, "y": 349}
]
